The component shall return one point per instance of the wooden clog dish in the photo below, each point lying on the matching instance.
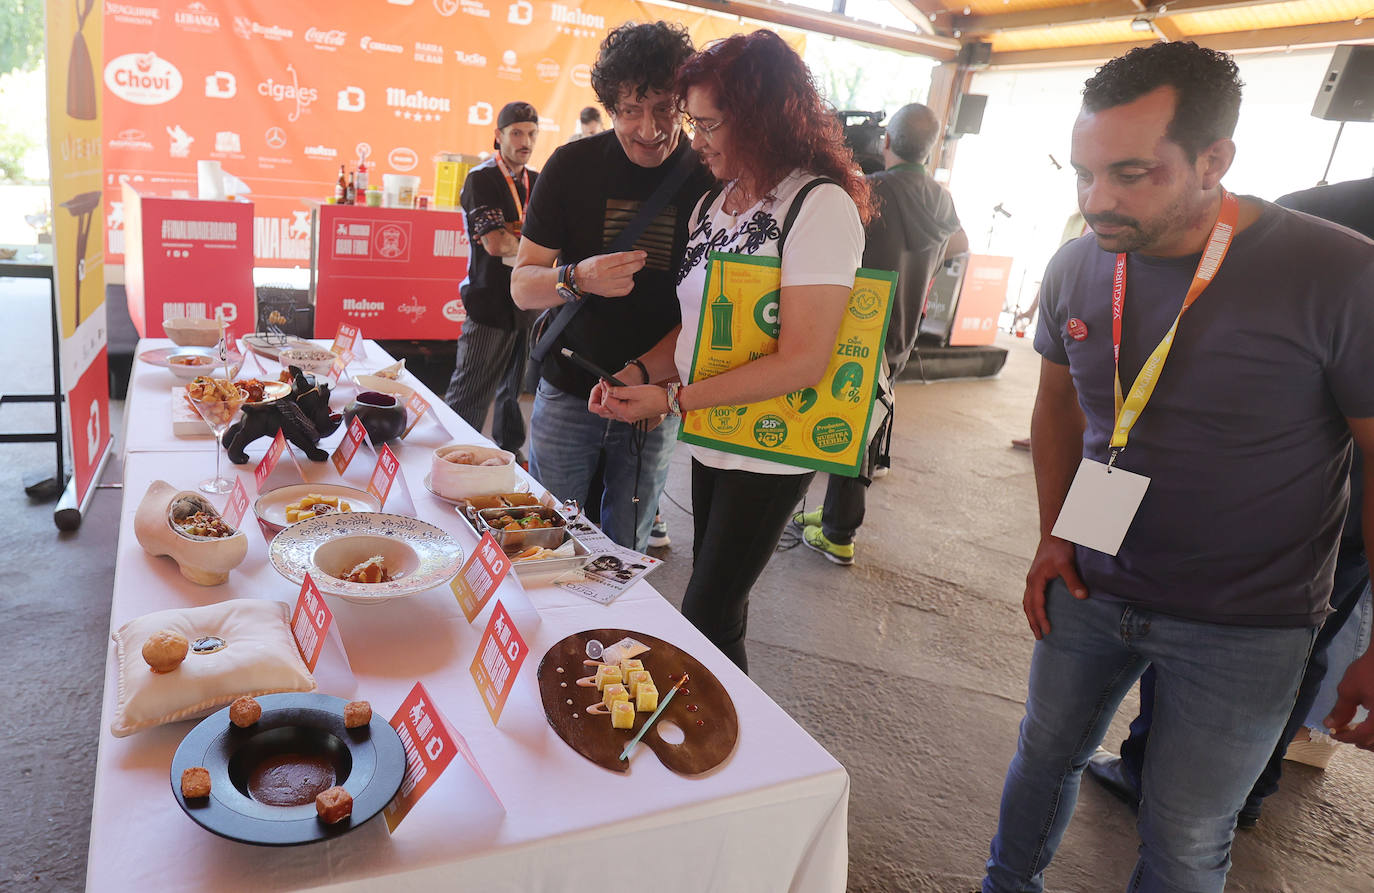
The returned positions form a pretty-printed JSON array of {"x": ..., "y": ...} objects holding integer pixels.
[{"x": 702, "y": 709}]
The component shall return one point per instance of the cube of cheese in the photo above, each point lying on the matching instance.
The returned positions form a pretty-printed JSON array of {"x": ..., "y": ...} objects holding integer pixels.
[
  {"x": 622, "y": 715},
  {"x": 646, "y": 697},
  {"x": 612, "y": 693},
  {"x": 635, "y": 678},
  {"x": 607, "y": 674},
  {"x": 629, "y": 665}
]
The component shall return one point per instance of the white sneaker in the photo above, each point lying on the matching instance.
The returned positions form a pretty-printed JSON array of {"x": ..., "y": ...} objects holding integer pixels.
[
  {"x": 880, "y": 471},
  {"x": 1316, "y": 751},
  {"x": 658, "y": 534}
]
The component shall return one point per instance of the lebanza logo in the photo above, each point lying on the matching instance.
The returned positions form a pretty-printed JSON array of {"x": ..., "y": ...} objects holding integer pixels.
[
  {"x": 832, "y": 435},
  {"x": 865, "y": 303},
  {"x": 766, "y": 314},
  {"x": 770, "y": 431},
  {"x": 726, "y": 420},
  {"x": 197, "y": 17},
  {"x": 453, "y": 311},
  {"x": 402, "y": 159},
  {"x": 143, "y": 79}
]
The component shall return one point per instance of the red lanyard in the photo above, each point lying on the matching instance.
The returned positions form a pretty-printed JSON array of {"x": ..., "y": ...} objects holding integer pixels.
[
  {"x": 1129, "y": 408},
  {"x": 510, "y": 184}
]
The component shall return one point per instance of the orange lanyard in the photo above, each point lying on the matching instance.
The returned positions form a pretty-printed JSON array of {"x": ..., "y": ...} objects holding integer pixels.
[
  {"x": 514, "y": 193},
  {"x": 1130, "y": 406}
]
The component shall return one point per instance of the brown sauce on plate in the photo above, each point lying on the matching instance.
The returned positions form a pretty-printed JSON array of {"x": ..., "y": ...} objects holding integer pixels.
[{"x": 290, "y": 779}]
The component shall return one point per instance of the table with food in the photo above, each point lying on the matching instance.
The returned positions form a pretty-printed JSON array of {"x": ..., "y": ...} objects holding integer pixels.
[{"x": 309, "y": 686}]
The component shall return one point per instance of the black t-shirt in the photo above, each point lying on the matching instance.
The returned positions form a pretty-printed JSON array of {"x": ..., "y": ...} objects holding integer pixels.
[
  {"x": 488, "y": 205},
  {"x": 915, "y": 219},
  {"x": 588, "y": 192}
]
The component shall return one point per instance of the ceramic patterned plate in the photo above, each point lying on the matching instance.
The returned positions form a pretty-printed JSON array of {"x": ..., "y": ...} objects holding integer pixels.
[
  {"x": 159, "y": 356},
  {"x": 420, "y": 555},
  {"x": 297, "y": 736}
]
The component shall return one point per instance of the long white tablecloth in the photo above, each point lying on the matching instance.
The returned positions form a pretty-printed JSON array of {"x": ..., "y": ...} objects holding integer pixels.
[{"x": 772, "y": 818}]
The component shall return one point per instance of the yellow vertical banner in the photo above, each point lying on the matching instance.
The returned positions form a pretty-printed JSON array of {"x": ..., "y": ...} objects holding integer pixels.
[{"x": 75, "y": 30}]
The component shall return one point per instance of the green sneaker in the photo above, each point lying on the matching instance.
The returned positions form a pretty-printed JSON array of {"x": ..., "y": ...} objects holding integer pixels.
[
  {"x": 807, "y": 519},
  {"x": 815, "y": 539}
]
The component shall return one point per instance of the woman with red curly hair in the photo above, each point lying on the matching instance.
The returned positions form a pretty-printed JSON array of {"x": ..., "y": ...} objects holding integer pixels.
[{"x": 768, "y": 138}]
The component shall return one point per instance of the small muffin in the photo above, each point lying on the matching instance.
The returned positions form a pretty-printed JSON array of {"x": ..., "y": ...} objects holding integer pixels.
[
  {"x": 195, "y": 782},
  {"x": 334, "y": 805},
  {"x": 357, "y": 714},
  {"x": 165, "y": 650},
  {"x": 244, "y": 712}
]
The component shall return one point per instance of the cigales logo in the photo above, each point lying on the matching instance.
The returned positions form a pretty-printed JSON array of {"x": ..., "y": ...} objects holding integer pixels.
[
  {"x": 291, "y": 93},
  {"x": 326, "y": 40},
  {"x": 369, "y": 45},
  {"x": 414, "y": 309},
  {"x": 143, "y": 78},
  {"x": 402, "y": 159}
]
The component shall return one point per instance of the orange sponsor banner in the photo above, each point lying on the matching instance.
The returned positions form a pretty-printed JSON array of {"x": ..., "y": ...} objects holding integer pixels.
[
  {"x": 284, "y": 94},
  {"x": 980, "y": 300}
]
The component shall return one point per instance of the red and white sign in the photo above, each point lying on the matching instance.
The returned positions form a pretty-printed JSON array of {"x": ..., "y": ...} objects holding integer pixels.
[
  {"x": 395, "y": 270},
  {"x": 187, "y": 258},
  {"x": 416, "y": 407},
  {"x": 497, "y": 662},
  {"x": 383, "y": 475},
  {"x": 429, "y": 748},
  {"x": 237, "y": 506},
  {"x": 480, "y": 577},
  {"x": 310, "y": 622},
  {"x": 348, "y": 447},
  {"x": 88, "y": 404},
  {"x": 346, "y": 339},
  {"x": 269, "y": 461}
]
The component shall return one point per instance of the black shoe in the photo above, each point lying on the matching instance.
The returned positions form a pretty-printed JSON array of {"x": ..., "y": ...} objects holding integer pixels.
[
  {"x": 1249, "y": 816},
  {"x": 1107, "y": 769}
]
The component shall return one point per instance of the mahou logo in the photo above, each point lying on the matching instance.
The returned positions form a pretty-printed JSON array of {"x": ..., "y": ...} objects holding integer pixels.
[
  {"x": 143, "y": 79},
  {"x": 326, "y": 40}
]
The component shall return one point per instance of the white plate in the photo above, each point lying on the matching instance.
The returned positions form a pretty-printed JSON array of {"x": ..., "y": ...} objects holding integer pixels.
[
  {"x": 159, "y": 356},
  {"x": 270, "y": 345},
  {"x": 271, "y": 506},
  {"x": 366, "y": 382},
  {"x": 428, "y": 557}
]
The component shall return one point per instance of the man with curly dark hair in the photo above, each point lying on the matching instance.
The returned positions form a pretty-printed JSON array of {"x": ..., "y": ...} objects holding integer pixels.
[
  {"x": 1205, "y": 367},
  {"x": 588, "y": 193}
]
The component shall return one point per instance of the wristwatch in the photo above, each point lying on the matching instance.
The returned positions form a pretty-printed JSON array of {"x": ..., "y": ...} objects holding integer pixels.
[
  {"x": 674, "y": 407},
  {"x": 567, "y": 284}
]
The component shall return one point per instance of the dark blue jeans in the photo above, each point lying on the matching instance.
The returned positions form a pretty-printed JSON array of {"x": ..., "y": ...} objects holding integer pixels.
[{"x": 1352, "y": 575}]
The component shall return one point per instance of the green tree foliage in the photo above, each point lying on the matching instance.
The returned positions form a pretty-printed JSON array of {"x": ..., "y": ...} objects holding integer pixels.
[{"x": 21, "y": 35}]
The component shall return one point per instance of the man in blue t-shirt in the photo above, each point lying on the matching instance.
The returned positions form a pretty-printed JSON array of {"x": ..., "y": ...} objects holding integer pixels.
[{"x": 1220, "y": 349}]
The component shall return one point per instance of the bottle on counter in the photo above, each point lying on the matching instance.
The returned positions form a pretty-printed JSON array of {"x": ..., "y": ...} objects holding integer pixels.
[
  {"x": 360, "y": 180},
  {"x": 350, "y": 192},
  {"x": 340, "y": 188}
]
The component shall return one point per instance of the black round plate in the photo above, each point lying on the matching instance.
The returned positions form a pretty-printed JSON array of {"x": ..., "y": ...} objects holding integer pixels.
[{"x": 369, "y": 761}]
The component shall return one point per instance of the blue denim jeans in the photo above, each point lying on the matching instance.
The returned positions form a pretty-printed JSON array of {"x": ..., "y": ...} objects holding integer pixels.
[
  {"x": 566, "y": 441},
  {"x": 1222, "y": 696}
]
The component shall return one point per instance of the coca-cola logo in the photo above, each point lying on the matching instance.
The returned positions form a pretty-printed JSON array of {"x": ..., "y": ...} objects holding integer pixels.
[
  {"x": 326, "y": 40},
  {"x": 143, "y": 78},
  {"x": 402, "y": 159}
]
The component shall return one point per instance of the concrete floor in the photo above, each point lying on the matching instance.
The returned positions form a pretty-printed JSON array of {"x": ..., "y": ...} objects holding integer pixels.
[{"x": 908, "y": 667}]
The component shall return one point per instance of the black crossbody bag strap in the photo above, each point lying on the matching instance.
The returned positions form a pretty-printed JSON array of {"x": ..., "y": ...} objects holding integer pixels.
[{"x": 561, "y": 316}]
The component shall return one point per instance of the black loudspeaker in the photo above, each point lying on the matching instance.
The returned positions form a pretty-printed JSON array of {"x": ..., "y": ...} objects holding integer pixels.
[
  {"x": 1347, "y": 90},
  {"x": 975, "y": 54},
  {"x": 969, "y": 118}
]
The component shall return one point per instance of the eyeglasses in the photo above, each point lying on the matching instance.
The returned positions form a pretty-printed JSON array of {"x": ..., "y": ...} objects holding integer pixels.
[{"x": 706, "y": 130}]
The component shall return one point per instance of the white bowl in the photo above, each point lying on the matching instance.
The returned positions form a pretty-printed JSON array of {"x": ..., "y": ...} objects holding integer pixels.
[
  {"x": 313, "y": 360},
  {"x": 192, "y": 332},
  {"x": 187, "y": 371},
  {"x": 454, "y": 481},
  {"x": 383, "y": 385}
]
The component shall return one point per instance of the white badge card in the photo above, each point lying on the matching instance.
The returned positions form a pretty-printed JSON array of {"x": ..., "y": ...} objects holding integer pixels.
[{"x": 1100, "y": 507}]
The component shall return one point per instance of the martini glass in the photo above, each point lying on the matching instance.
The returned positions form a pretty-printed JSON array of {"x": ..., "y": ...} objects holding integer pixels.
[
  {"x": 219, "y": 414},
  {"x": 39, "y": 222}
]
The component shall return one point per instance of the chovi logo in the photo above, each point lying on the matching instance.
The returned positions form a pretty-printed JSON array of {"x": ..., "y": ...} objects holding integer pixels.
[
  {"x": 143, "y": 78},
  {"x": 726, "y": 420},
  {"x": 770, "y": 431},
  {"x": 832, "y": 435},
  {"x": 865, "y": 303}
]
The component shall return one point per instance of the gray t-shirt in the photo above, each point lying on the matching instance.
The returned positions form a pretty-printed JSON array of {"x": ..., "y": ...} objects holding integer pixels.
[{"x": 1245, "y": 440}]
